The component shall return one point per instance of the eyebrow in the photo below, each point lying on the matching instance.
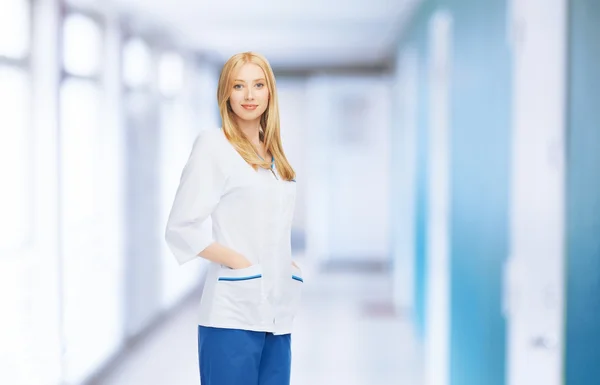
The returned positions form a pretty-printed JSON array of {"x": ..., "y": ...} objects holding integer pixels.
[{"x": 257, "y": 80}]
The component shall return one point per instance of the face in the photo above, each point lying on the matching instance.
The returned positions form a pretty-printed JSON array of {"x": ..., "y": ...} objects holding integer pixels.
[{"x": 250, "y": 95}]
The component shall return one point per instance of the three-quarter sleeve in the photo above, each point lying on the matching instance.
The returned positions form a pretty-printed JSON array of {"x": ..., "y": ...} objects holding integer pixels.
[{"x": 201, "y": 185}]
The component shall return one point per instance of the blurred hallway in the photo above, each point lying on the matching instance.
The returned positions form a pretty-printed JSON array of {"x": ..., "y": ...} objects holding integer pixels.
[
  {"x": 346, "y": 334},
  {"x": 447, "y": 158}
]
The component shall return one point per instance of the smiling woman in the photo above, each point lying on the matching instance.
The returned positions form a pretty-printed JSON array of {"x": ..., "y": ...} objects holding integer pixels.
[
  {"x": 240, "y": 178},
  {"x": 249, "y": 106}
]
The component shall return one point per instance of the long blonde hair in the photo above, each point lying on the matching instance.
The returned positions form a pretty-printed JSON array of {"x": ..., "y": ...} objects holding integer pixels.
[{"x": 269, "y": 121}]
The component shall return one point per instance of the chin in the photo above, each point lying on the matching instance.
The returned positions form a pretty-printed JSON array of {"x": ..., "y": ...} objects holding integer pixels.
[{"x": 249, "y": 115}]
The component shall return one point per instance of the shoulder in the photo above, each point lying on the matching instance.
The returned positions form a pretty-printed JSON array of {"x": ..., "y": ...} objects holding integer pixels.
[
  {"x": 211, "y": 146},
  {"x": 209, "y": 138},
  {"x": 210, "y": 141}
]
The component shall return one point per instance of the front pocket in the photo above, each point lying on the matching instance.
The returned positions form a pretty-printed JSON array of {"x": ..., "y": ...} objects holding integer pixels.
[
  {"x": 251, "y": 272},
  {"x": 245, "y": 278},
  {"x": 238, "y": 296},
  {"x": 297, "y": 278},
  {"x": 297, "y": 273}
]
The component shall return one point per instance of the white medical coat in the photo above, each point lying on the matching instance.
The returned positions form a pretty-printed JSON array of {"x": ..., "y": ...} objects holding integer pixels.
[{"x": 251, "y": 212}]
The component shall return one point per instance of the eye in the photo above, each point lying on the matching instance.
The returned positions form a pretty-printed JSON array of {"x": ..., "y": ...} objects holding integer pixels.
[
  {"x": 260, "y": 85},
  {"x": 237, "y": 86}
]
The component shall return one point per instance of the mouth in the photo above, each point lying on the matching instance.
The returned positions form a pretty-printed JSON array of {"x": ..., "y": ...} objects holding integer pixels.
[{"x": 250, "y": 106}]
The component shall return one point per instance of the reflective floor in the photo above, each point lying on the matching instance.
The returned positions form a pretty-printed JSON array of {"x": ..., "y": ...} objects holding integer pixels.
[{"x": 347, "y": 334}]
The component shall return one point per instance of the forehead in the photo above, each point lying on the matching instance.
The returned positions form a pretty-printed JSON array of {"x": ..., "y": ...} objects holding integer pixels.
[{"x": 249, "y": 72}]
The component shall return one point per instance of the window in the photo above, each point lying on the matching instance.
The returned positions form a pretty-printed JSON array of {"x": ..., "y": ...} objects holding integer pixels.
[
  {"x": 170, "y": 74},
  {"x": 80, "y": 98},
  {"x": 15, "y": 168},
  {"x": 137, "y": 63},
  {"x": 15, "y": 134},
  {"x": 15, "y": 28},
  {"x": 88, "y": 259},
  {"x": 79, "y": 129},
  {"x": 82, "y": 46}
]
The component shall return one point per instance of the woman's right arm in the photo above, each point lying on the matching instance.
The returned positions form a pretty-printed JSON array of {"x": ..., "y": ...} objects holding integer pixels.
[{"x": 188, "y": 232}]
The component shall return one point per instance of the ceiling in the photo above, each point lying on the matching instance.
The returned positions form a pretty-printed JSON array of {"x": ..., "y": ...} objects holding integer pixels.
[{"x": 301, "y": 34}]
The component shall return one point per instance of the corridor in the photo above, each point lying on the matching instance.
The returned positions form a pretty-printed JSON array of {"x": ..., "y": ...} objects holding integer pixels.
[{"x": 347, "y": 334}]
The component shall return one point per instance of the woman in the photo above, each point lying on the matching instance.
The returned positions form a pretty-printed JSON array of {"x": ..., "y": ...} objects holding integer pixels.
[{"x": 239, "y": 177}]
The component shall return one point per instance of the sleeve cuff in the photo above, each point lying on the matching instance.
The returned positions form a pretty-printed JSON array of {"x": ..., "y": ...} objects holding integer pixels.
[{"x": 186, "y": 244}]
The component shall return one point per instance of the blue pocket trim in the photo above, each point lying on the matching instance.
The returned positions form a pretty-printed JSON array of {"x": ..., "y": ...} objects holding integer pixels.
[
  {"x": 240, "y": 278},
  {"x": 297, "y": 278}
]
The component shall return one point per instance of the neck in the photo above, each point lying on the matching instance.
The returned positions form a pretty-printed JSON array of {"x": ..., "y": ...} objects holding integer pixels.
[{"x": 250, "y": 129}]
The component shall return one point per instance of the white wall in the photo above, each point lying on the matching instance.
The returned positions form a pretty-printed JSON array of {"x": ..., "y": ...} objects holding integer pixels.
[
  {"x": 349, "y": 167},
  {"x": 535, "y": 283},
  {"x": 437, "y": 338},
  {"x": 293, "y": 104}
]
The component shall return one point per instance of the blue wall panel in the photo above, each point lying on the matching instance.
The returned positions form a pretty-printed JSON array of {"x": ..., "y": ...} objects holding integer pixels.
[
  {"x": 417, "y": 37},
  {"x": 479, "y": 188},
  {"x": 421, "y": 196},
  {"x": 480, "y": 100},
  {"x": 582, "y": 360}
]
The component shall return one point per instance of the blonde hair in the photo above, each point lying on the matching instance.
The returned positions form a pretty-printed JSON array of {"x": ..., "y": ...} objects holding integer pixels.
[{"x": 269, "y": 121}]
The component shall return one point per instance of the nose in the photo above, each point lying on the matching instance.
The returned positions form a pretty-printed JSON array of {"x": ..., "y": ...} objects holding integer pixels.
[{"x": 249, "y": 93}]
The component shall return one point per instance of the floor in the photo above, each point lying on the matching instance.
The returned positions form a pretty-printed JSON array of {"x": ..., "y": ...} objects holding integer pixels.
[{"x": 347, "y": 333}]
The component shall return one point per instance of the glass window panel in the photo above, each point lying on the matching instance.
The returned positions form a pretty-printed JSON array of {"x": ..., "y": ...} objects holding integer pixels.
[
  {"x": 82, "y": 45},
  {"x": 137, "y": 63},
  {"x": 14, "y": 28},
  {"x": 170, "y": 72},
  {"x": 86, "y": 266},
  {"x": 80, "y": 100},
  {"x": 15, "y": 137}
]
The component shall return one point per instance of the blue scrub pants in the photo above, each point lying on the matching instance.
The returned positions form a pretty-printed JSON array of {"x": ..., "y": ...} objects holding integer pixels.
[{"x": 243, "y": 357}]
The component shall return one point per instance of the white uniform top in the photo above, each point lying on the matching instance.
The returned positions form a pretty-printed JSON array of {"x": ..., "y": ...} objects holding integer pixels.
[{"x": 251, "y": 212}]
